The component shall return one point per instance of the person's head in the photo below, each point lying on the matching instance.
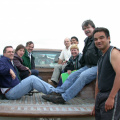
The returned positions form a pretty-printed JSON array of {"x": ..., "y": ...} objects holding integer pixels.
[
  {"x": 88, "y": 26},
  {"x": 29, "y": 46},
  {"x": 101, "y": 38},
  {"x": 74, "y": 40},
  {"x": 8, "y": 52},
  {"x": 67, "y": 42},
  {"x": 20, "y": 50},
  {"x": 74, "y": 50}
]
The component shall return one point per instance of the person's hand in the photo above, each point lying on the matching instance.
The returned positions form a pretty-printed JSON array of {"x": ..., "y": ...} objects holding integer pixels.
[
  {"x": 27, "y": 68},
  {"x": 93, "y": 111},
  {"x": 29, "y": 71},
  {"x": 69, "y": 72},
  {"x": 64, "y": 62},
  {"x": 12, "y": 74},
  {"x": 109, "y": 104}
]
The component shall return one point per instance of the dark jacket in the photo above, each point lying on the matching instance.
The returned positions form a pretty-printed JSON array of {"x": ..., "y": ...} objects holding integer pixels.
[
  {"x": 6, "y": 80},
  {"x": 18, "y": 62},
  {"x": 90, "y": 53},
  {"x": 73, "y": 64},
  {"x": 27, "y": 62}
]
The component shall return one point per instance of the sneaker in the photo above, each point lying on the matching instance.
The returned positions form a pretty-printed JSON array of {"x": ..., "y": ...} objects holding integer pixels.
[{"x": 48, "y": 97}]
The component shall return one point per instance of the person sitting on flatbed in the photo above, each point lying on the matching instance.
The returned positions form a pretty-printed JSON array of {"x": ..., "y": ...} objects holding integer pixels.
[
  {"x": 18, "y": 62},
  {"x": 86, "y": 74},
  {"x": 10, "y": 85},
  {"x": 73, "y": 63}
]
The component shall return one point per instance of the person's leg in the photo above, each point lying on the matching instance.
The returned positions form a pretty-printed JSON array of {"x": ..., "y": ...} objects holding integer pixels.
[
  {"x": 26, "y": 85},
  {"x": 56, "y": 73},
  {"x": 70, "y": 80},
  {"x": 100, "y": 113},
  {"x": 84, "y": 78},
  {"x": 36, "y": 73},
  {"x": 24, "y": 74}
]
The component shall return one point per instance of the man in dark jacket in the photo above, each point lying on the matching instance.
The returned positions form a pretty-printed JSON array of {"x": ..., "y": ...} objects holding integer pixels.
[
  {"x": 87, "y": 73},
  {"x": 10, "y": 85}
]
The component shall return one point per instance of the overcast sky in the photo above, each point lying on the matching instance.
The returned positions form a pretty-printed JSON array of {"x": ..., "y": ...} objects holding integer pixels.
[{"x": 48, "y": 22}]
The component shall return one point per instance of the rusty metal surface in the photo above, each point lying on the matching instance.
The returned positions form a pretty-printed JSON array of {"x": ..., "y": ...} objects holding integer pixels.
[{"x": 35, "y": 106}]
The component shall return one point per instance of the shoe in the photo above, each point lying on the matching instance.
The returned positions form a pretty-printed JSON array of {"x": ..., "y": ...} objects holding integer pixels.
[
  {"x": 48, "y": 97},
  {"x": 53, "y": 83},
  {"x": 57, "y": 99}
]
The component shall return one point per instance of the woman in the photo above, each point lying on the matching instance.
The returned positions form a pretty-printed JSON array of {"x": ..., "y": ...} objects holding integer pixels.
[
  {"x": 18, "y": 62},
  {"x": 72, "y": 65}
]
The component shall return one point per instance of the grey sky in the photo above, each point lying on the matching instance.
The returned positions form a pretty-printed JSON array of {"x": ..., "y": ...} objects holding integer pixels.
[{"x": 48, "y": 22}]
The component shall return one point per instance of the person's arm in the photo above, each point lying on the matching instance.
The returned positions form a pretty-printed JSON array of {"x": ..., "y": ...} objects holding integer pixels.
[
  {"x": 60, "y": 61},
  {"x": 12, "y": 74},
  {"x": 115, "y": 61},
  {"x": 96, "y": 92},
  {"x": 18, "y": 64}
]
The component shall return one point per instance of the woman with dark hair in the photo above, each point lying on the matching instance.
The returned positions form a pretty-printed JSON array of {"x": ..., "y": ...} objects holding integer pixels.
[{"x": 18, "y": 62}]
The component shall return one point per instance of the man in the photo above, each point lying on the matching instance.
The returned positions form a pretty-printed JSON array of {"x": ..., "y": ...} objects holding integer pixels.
[
  {"x": 107, "y": 91},
  {"x": 87, "y": 73},
  {"x": 10, "y": 85},
  {"x": 63, "y": 58},
  {"x": 28, "y": 58},
  {"x": 74, "y": 40}
]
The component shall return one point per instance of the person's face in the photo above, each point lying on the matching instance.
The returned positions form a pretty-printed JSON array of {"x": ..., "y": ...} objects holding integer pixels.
[
  {"x": 74, "y": 52},
  {"x": 9, "y": 53},
  {"x": 30, "y": 48},
  {"x": 67, "y": 42},
  {"x": 74, "y": 41},
  {"x": 20, "y": 52},
  {"x": 101, "y": 41},
  {"x": 88, "y": 30}
]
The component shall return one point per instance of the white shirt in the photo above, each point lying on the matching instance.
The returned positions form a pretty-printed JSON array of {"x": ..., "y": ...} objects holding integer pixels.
[{"x": 65, "y": 54}]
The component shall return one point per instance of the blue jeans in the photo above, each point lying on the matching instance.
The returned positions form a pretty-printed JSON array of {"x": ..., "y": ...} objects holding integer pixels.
[
  {"x": 28, "y": 84},
  {"x": 36, "y": 73},
  {"x": 76, "y": 81}
]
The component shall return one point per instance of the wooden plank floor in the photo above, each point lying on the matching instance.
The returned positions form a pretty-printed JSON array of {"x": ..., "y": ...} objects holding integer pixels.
[{"x": 35, "y": 106}]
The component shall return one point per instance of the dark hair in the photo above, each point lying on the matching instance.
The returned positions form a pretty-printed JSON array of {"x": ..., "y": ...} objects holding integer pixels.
[
  {"x": 75, "y": 38},
  {"x": 88, "y": 22},
  {"x": 4, "y": 50},
  {"x": 29, "y": 43},
  {"x": 19, "y": 47},
  {"x": 102, "y": 29}
]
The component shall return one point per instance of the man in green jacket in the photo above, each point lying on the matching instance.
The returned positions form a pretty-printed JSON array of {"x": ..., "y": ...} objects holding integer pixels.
[{"x": 28, "y": 58}]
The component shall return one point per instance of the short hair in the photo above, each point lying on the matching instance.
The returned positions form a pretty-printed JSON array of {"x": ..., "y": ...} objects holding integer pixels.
[
  {"x": 102, "y": 29},
  {"x": 5, "y": 48},
  {"x": 88, "y": 22},
  {"x": 29, "y": 43},
  {"x": 74, "y": 46},
  {"x": 19, "y": 47},
  {"x": 74, "y": 37}
]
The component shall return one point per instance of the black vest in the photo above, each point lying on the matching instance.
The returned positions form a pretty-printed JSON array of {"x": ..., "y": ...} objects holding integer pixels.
[{"x": 106, "y": 73}]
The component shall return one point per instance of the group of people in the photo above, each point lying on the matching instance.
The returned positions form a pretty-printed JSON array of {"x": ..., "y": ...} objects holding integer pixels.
[{"x": 98, "y": 61}]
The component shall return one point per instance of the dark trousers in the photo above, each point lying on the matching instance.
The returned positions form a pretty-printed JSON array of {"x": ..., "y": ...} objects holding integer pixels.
[
  {"x": 100, "y": 113},
  {"x": 24, "y": 74}
]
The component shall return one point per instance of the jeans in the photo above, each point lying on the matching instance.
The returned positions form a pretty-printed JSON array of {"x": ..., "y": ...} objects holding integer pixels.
[
  {"x": 76, "y": 81},
  {"x": 36, "y": 73},
  {"x": 26, "y": 85}
]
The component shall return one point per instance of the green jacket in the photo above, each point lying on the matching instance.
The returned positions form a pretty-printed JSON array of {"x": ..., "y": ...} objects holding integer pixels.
[{"x": 26, "y": 61}]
